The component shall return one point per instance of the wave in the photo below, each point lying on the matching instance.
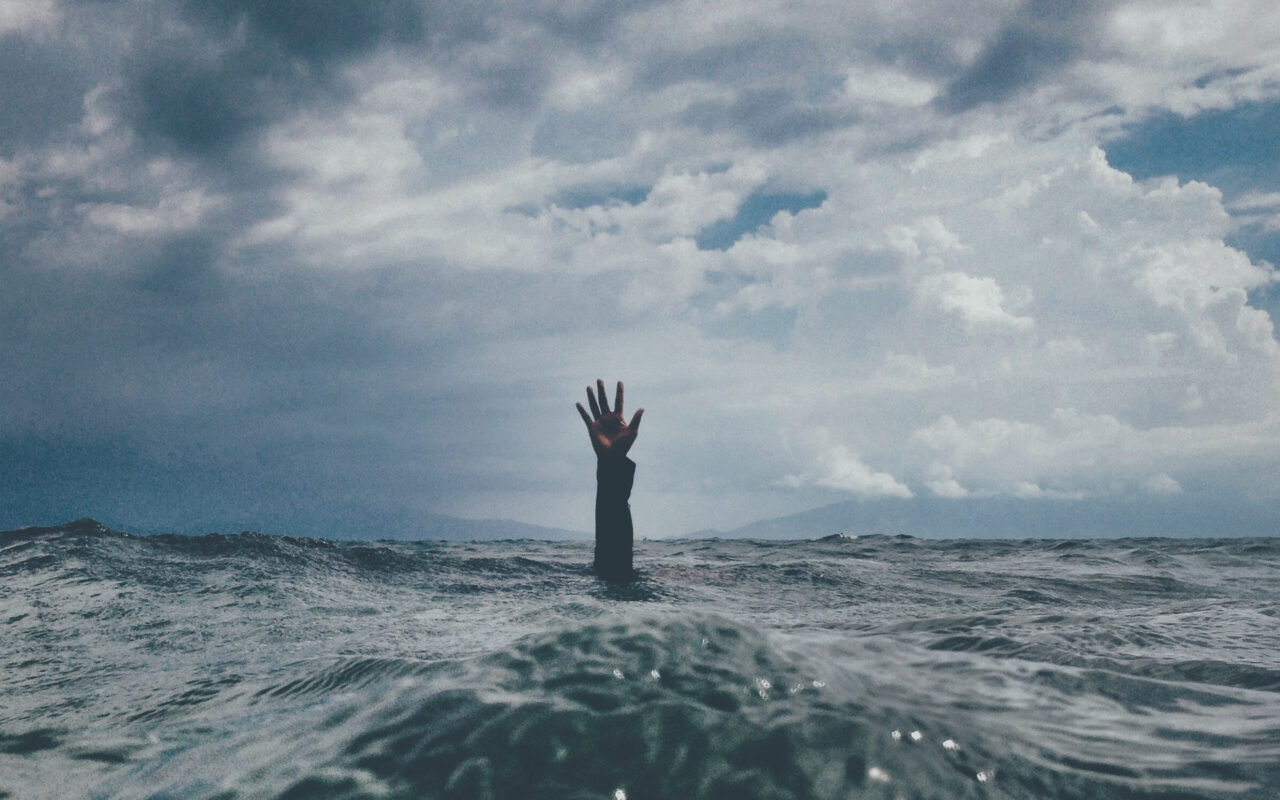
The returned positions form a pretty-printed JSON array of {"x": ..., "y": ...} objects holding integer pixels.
[
  {"x": 701, "y": 706},
  {"x": 244, "y": 665}
]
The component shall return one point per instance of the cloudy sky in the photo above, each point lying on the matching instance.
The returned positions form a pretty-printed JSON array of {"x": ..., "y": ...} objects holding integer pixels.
[{"x": 329, "y": 266}]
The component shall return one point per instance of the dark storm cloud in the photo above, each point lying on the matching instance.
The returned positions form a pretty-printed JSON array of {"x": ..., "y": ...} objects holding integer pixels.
[
  {"x": 317, "y": 31},
  {"x": 1041, "y": 37},
  {"x": 236, "y": 66},
  {"x": 239, "y": 65},
  {"x": 187, "y": 393},
  {"x": 156, "y": 372},
  {"x": 167, "y": 390}
]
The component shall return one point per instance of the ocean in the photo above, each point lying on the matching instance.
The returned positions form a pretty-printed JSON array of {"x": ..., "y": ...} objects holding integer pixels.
[{"x": 255, "y": 666}]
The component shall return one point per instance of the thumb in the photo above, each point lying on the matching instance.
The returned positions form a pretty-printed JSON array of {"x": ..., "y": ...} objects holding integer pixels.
[{"x": 635, "y": 420}]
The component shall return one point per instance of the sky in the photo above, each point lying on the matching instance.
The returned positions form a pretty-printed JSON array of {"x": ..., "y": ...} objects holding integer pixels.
[{"x": 331, "y": 268}]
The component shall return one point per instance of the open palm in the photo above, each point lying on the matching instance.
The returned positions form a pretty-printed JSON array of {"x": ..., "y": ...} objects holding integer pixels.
[{"x": 611, "y": 435}]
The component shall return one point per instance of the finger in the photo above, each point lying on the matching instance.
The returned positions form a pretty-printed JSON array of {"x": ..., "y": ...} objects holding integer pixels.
[
  {"x": 591, "y": 398},
  {"x": 635, "y": 420},
  {"x": 585, "y": 418},
  {"x": 617, "y": 401},
  {"x": 604, "y": 398}
]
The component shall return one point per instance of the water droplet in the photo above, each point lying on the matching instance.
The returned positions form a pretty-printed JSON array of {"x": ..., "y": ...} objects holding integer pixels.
[
  {"x": 895, "y": 735},
  {"x": 950, "y": 744},
  {"x": 878, "y": 775},
  {"x": 916, "y": 736}
]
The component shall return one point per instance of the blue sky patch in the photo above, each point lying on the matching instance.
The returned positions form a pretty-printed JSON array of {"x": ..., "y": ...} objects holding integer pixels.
[
  {"x": 754, "y": 212},
  {"x": 1236, "y": 150},
  {"x": 588, "y": 196}
]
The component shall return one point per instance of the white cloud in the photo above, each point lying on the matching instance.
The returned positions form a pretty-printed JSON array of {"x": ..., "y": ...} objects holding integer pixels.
[
  {"x": 837, "y": 468},
  {"x": 178, "y": 210},
  {"x": 27, "y": 15},
  {"x": 1162, "y": 484},
  {"x": 1075, "y": 454},
  {"x": 978, "y": 301}
]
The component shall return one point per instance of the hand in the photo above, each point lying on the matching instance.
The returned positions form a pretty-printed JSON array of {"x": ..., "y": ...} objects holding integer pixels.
[{"x": 611, "y": 436}]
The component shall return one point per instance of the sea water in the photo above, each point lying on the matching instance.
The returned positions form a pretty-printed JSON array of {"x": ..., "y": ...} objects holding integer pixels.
[{"x": 253, "y": 666}]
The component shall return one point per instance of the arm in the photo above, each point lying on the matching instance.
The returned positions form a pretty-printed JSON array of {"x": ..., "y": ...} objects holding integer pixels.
[{"x": 611, "y": 438}]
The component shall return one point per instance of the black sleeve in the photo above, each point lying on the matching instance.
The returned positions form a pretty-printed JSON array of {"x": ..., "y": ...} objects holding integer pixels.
[{"x": 613, "y": 518}]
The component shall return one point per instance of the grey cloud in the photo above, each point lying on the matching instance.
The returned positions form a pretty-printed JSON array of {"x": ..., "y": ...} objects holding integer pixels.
[
  {"x": 918, "y": 53},
  {"x": 585, "y": 22},
  {"x": 1041, "y": 37},
  {"x": 202, "y": 107},
  {"x": 582, "y": 136},
  {"x": 318, "y": 31},
  {"x": 767, "y": 117},
  {"x": 772, "y": 324},
  {"x": 41, "y": 87},
  {"x": 515, "y": 81},
  {"x": 184, "y": 268},
  {"x": 762, "y": 60}
]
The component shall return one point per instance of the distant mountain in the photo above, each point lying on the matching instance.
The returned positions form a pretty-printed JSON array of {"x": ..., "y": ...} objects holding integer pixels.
[{"x": 1200, "y": 515}]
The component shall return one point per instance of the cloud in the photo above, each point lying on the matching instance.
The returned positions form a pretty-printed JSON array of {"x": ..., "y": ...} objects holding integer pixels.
[
  {"x": 765, "y": 117},
  {"x": 1162, "y": 484},
  {"x": 756, "y": 210},
  {"x": 978, "y": 301},
  {"x": 229, "y": 69},
  {"x": 839, "y": 469},
  {"x": 284, "y": 261},
  {"x": 1039, "y": 38},
  {"x": 27, "y": 15},
  {"x": 1072, "y": 455}
]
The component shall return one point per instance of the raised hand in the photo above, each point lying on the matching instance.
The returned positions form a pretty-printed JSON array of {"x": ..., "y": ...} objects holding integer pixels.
[{"x": 611, "y": 436}]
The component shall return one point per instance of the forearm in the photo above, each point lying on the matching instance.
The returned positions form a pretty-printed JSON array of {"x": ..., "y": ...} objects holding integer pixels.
[{"x": 614, "y": 534}]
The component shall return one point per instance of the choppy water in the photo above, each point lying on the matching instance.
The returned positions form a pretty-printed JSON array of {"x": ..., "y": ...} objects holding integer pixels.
[{"x": 883, "y": 667}]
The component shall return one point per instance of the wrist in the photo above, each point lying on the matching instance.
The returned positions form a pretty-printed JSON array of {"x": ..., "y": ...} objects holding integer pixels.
[{"x": 614, "y": 475}]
